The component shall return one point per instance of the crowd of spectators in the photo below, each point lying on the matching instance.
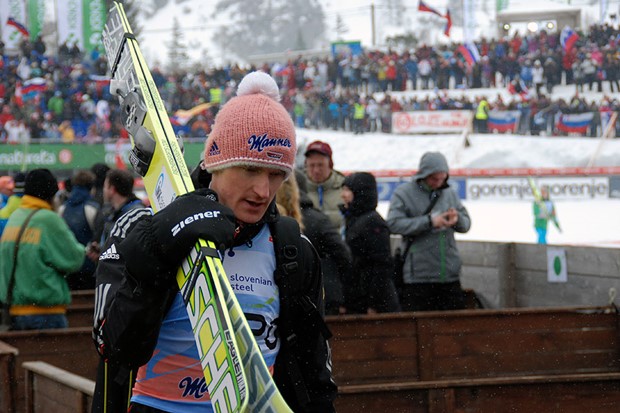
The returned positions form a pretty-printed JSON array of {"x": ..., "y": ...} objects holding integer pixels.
[{"x": 65, "y": 96}]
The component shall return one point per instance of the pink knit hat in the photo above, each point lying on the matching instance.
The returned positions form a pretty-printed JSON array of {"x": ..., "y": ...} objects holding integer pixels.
[{"x": 252, "y": 129}]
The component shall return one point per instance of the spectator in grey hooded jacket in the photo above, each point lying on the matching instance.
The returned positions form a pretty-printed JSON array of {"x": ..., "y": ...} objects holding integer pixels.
[{"x": 427, "y": 212}]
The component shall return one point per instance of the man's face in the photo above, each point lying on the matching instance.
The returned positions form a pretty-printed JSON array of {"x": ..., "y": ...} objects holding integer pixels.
[
  {"x": 436, "y": 180},
  {"x": 317, "y": 167},
  {"x": 248, "y": 191}
]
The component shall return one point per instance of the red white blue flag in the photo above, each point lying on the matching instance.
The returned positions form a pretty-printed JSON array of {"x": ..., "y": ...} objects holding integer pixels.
[
  {"x": 470, "y": 53},
  {"x": 568, "y": 38},
  {"x": 502, "y": 121},
  {"x": 424, "y": 7},
  {"x": 20, "y": 27},
  {"x": 575, "y": 123}
]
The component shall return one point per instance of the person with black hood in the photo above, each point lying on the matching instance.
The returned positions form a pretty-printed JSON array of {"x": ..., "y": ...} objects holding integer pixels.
[
  {"x": 370, "y": 286},
  {"x": 427, "y": 212},
  {"x": 32, "y": 273}
]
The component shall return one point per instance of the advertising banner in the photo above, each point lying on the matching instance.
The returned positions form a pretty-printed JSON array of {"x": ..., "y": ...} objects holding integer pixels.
[
  {"x": 95, "y": 14},
  {"x": 11, "y": 33},
  {"x": 431, "y": 121},
  {"x": 560, "y": 188},
  {"x": 36, "y": 17},
  {"x": 69, "y": 17}
]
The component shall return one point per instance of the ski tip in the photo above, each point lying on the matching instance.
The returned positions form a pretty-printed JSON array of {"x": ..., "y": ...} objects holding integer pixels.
[{"x": 259, "y": 83}]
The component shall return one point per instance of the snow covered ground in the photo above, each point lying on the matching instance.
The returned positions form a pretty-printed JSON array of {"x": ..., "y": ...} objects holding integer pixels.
[{"x": 587, "y": 222}]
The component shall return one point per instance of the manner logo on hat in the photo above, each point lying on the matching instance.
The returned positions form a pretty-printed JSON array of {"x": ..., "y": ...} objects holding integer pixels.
[{"x": 260, "y": 142}]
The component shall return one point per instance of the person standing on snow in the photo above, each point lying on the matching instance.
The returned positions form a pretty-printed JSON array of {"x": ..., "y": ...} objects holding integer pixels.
[{"x": 544, "y": 210}]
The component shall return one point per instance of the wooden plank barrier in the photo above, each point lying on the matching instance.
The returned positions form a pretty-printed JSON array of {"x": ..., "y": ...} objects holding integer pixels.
[
  {"x": 518, "y": 360},
  {"x": 83, "y": 297},
  {"x": 50, "y": 389},
  {"x": 80, "y": 311},
  {"x": 71, "y": 349},
  {"x": 7, "y": 372}
]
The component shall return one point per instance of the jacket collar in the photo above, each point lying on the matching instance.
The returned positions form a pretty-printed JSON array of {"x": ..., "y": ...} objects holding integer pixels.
[{"x": 32, "y": 202}]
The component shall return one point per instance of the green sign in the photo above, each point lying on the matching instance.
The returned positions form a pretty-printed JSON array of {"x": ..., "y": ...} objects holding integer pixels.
[
  {"x": 36, "y": 17},
  {"x": 77, "y": 156},
  {"x": 93, "y": 20}
]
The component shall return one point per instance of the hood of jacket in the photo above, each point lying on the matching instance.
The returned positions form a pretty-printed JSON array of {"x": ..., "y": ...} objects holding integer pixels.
[
  {"x": 365, "y": 195},
  {"x": 79, "y": 195},
  {"x": 431, "y": 163}
]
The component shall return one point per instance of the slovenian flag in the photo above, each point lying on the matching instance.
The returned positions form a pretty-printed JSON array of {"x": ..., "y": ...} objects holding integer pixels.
[
  {"x": 575, "y": 123},
  {"x": 568, "y": 38},
  {"x": 424, "y": 7},
  {"x": 20, "y": 27},
  {"x": 503, "y": 121},
  {"x": 469, "y": 51}
]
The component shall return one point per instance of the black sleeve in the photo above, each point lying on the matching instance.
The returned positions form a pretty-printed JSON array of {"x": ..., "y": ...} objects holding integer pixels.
[
  {"x": 307, "y": 358},
  {"x": 127, "y": 315}
]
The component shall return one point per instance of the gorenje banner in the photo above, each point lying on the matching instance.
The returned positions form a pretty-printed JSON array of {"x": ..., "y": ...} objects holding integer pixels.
[{"x": 560, "y": 188}]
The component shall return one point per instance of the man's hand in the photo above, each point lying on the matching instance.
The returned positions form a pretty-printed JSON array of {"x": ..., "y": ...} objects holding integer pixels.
[
  {"x": 156, "y": 246},
  {"x": 445, "y": 219}
]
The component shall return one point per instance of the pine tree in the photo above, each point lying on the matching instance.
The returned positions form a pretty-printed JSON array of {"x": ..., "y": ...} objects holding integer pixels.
[
  {"x": 177, "y": 50},
  {"x": 341, "y": 27},
  {"x": 269, "y": 27}
]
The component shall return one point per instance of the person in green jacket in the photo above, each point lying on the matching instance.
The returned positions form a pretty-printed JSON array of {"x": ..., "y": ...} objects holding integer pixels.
[
  {"x": 544, "y": 210},
  {"x": 47, "y": 251},
  {"x": 56, "y": 105}
]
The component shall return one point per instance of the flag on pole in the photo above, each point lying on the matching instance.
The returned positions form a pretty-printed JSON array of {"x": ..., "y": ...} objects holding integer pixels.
[
  {"x": 448, "y": 23},
  {"x": 568, "y": 38},
  {"x": 20, "y": 27},
  {"x": 424, "y": 7}
]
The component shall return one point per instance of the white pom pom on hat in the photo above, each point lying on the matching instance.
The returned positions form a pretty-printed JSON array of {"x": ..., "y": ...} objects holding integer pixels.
[
  {"x": 259, "y": 82},
  {"x": 252, "y": 129}
]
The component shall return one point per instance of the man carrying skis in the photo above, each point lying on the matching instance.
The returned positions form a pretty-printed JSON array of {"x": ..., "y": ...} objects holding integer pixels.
[{"x": 141, "y": 324}]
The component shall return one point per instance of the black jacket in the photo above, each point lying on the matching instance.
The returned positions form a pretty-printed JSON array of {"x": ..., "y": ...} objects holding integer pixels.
[
  {"x": 334, "y": 253},
  {"x": 128, "y": 317},
  {"x": 371, "y": 283}
]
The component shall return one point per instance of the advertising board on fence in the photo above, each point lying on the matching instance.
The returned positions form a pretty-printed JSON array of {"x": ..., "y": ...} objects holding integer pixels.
[
  {"x": 560, "y": 188},
  {"x": 438, "y": 121}
]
